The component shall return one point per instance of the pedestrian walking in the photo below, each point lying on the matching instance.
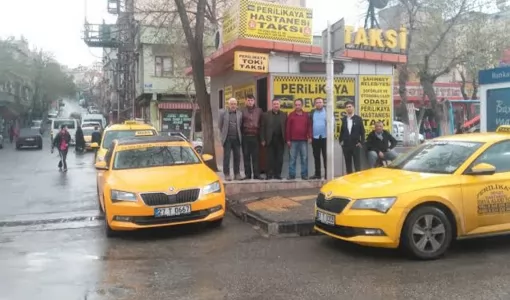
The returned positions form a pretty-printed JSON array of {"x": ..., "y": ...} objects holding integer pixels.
[
  {"x": 298, "y": 133},
  {"x": 96, "y": 138},
  {"x": 319, "y": 133},
  {"x": 272, "y": 134},
  {"x": 61, "y": 142},
  {"x": 251, "y": 125},
  {"x": 11, "y": 133},
  {"x": 229, "y": 124},
  {"x": 352, "y": 138},
  {"x": 80, "y": 140},
  {"x": 380, "y": 144}
]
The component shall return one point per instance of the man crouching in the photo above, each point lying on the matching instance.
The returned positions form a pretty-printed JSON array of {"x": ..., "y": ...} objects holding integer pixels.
[{"x": 380, "y": 144}]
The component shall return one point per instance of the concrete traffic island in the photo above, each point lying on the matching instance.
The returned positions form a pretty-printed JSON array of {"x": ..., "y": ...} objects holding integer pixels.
[{"x": 288, "y": 211}]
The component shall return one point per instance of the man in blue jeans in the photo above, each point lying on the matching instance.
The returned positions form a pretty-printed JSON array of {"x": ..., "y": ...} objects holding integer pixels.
[{"x": 298, "y": 134}]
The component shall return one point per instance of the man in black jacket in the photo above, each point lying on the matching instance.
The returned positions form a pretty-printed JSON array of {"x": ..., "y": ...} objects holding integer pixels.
[
  {"x": 352, "y": 138},
  {"x": 272, "y": 135},
  {"x": 380, "y": 144}
]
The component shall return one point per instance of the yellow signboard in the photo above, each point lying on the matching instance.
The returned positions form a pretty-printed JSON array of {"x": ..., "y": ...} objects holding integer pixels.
[
  {"x": 307, "y": 88},
  {"x": 230, "y": 25},
  {"x": 269, "y": 21},
  {"x": 376, "y": 101},
  {"x": 251, "y": 62},
  {"x": 240, "y": 93},
  {"x": 376, "y": 38}
]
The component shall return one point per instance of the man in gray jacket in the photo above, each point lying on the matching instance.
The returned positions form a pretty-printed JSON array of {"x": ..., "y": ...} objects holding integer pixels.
[{"x": 230, "y": 129}]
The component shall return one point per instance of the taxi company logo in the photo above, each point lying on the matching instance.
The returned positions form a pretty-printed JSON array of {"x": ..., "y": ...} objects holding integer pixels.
[
  {"x": 171, "y": 189},
  {"x": 328, "y": 195}
]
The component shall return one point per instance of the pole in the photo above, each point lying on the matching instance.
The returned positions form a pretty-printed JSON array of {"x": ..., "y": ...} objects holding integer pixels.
[{"x": 330, "y": 108}]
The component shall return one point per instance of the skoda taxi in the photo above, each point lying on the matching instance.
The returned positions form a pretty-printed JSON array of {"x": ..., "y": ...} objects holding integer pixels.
[
  {"x": 449, "y": 188},
  {"x": 157, "y": 181},
  {"x": 127, "y": 129}
]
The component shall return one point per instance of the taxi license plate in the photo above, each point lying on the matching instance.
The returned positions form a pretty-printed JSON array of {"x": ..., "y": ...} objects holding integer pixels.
[
  {"x": 30, "y": 139},
  {"x": 325, "y": 218},
  {"x": 172, "y": 211}
]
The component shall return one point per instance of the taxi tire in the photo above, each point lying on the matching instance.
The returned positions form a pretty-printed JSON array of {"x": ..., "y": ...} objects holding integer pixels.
[
  {"x": 406, "y": 237},
  {"x": 216, "y": 223},
  {"x": 109, "y": 232}
]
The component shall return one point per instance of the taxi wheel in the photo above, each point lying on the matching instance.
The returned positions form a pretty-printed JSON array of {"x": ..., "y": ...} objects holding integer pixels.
[
  {"x": 427, "y": 233},
  {"x": 101, "y": 210},
  {"x": 109, "y": 232},
  {"x": 216, "y": 223}
]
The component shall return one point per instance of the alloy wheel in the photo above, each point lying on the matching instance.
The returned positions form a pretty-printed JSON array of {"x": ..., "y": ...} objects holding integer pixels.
[{"x": 428, "y": 233}]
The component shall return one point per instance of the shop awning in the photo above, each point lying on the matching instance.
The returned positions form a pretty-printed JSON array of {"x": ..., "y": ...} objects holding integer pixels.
[
  {"x": 177, "y": 105},
  {"x": 472, "y": 122}
]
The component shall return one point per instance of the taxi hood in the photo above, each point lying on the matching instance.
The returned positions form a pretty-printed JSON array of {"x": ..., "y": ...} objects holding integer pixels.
[
  {"x": 384, "y": 182},
  {"x": 162, "y": 178}
]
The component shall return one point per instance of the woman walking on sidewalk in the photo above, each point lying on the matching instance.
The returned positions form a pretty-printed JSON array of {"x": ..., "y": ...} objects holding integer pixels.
[{"x": 61, "y": 141}]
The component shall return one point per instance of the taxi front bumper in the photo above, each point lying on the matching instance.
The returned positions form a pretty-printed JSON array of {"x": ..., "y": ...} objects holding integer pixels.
[
  {"x": 365, "y": 227},
  {"x": 125, "y": 216}
]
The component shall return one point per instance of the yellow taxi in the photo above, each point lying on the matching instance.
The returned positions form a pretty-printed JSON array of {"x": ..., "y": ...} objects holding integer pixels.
[
  {"x": 130, "y": 128},
  {"x": 157, "y": 181},
  {"x": 449, "y": 188}
]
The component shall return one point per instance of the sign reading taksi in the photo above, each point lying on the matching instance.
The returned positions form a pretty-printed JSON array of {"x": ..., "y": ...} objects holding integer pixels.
[
  {"x": 251, "y": 62},
  {"x": 375, "y": 39}
]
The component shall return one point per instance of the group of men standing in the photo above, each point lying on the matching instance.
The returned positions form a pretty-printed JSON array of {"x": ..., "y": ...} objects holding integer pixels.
[{"x": 250, "y": 127}]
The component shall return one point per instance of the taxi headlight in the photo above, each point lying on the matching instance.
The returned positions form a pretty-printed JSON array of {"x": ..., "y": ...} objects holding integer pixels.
[
  {"x": 214, "y": 187},
  {"x": 122, "y": 196},
  {"x": 377, "y": 204}
]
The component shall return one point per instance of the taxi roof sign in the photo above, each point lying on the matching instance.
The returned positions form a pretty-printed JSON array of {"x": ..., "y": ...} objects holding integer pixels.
[
  {"x": 131, "y": 122},
  {"x": 503, "y": 128},
  {"x": 144, "y": 133}
]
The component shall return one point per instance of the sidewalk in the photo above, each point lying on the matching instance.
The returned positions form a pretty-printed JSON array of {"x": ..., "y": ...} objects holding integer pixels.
[{"x": 278, "y": 212}]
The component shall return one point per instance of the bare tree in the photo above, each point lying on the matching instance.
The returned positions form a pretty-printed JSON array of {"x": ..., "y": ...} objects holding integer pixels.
[
  {"x": 433, "y": 47},
  {"x": 191, "y": 23},
  {"x": 487, "y": 36}
]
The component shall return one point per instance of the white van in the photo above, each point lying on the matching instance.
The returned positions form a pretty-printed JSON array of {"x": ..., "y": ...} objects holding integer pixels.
[
  {"x": 92, "y": 118},
  {"x": 71, "y": 125}
]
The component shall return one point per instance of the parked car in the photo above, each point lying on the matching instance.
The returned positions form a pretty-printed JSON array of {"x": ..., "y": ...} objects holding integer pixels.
[
  {"x": 29, "y": 137},
  {"x": 1, "y": 141},
  {"x": 198, "y": 145},
  {"x": 398, "y": 133},
  {"x": 38, "y": 125}
]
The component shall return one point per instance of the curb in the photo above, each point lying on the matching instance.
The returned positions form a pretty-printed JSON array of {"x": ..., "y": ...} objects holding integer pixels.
[{"x": 301, "y": 227}]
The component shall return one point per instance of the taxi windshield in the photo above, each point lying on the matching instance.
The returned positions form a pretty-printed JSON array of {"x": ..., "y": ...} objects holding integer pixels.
[
  {"x": 112, "y": 135},
  {"x": 440, "y": 157},
  {"x": 154, "y": 156}
]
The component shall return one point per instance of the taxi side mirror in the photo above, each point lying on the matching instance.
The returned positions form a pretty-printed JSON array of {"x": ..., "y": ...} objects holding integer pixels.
[
  {"x": 94, "y": 145},
  {"x": 207, "y": 157},
  {"x": 482, "y": 169},
  {"x": 101, "y": 165}
]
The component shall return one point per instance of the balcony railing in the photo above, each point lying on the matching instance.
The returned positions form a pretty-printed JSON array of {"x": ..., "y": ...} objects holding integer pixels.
[{"x": 102, "y": 35}]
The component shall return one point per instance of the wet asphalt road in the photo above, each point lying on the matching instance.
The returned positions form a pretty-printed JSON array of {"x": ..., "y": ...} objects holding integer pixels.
[{"x": 45, "y": 257}]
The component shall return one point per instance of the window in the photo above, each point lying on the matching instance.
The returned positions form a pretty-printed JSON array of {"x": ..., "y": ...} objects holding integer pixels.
[
  {"x": 497, "y": 155},
  {"x": 164, "y": 66},
  {"x": 155, "y": 156},
  {"x": 439, "y": 157}
]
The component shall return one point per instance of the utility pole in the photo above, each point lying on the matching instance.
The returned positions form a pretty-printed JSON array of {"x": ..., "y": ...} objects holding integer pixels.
[{"x": 332, "y": 43}]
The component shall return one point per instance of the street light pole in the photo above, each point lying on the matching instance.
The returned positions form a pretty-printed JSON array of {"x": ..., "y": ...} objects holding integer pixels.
[{"x": 330, "y": 107}]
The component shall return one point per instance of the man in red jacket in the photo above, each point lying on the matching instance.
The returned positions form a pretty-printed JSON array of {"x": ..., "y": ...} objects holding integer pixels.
[{"x": 298, "y": 133}]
